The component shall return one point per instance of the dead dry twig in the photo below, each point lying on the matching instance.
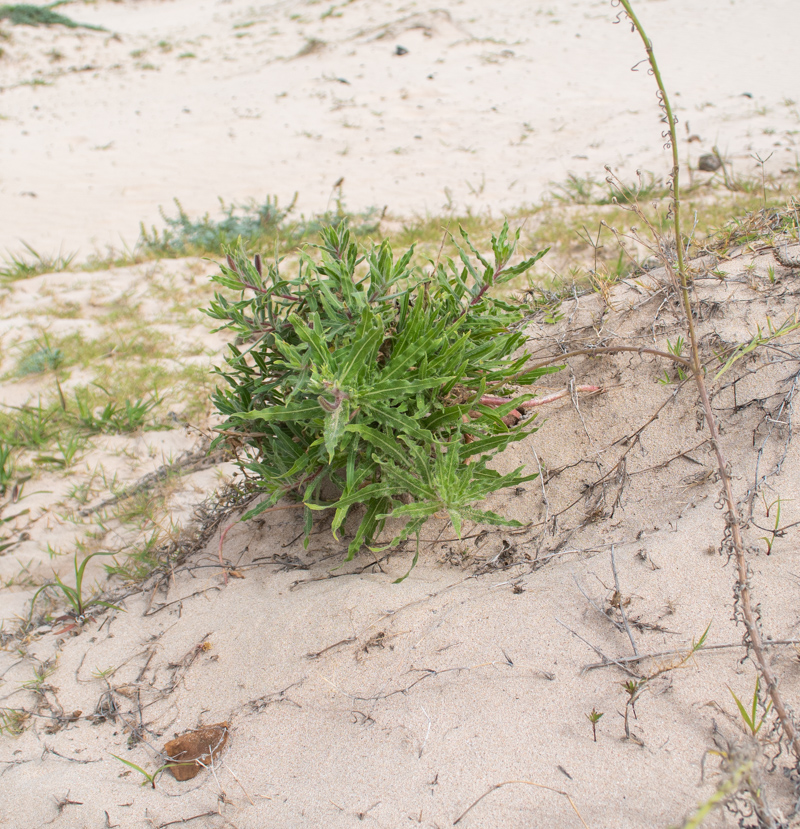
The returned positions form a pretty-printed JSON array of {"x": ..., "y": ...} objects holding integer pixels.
[{"x": 525, "y": 783}]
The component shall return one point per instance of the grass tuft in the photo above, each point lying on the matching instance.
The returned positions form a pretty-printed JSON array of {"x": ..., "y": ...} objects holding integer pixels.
[
  {"x": 16, "y": 267},
  {"x": 26, "y": 14},
  {"x": 259, "y": 225},
  {"x": 38, "y": 358}
]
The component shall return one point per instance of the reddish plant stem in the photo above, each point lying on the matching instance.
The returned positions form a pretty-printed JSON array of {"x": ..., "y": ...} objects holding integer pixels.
[
  {"x": 493, "y": 401},
  {"x": 749, "y": 617},
  {"x": 753, "y": 634}
]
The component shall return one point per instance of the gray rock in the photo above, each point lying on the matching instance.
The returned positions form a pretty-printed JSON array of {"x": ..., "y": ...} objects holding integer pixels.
[{"x": 709, "y": 163}]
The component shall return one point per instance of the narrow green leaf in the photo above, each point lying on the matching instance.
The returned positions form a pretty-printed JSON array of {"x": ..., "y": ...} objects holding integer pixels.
[
  {"x": 335, "y": 424},
  {"x": 495, "y": 443},
  {"x": 314, "y": 340},
  {"x": 391, "y": 389},
  {"x": 455, "y": 518},
  {"x": 370, "y": 525},
  {"x": 380, "y": 441},
  {"x": 368, "y": 338},
  {"x": 416, "y": 510},
  {"x": 380, "y": 490},
  {"x": 258, "y": 509},
  {"x": 304, "y": 410}
]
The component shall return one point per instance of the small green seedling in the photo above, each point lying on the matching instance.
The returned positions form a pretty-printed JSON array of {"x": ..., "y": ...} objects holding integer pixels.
[
  {"x": 18, "y": 267},
  {"x": 677, "y": 349},
  {"x": 776, "y": 531},
  {"x": 255, "y": 223},
  {"x": 12, "y": 721},
  {"x": 789, "y": 325},
  {"x": 114, "y": 418},
  {"x": 750, "y": 716},
  {"x": 74, "y": 595},
  {"x": 40, "y": 358},
  {"x": 69, "y": 447},
  {"x": 148, "y": 777},
  {"x": 6, "y": 466},
  {"x": 551, "y": 317},
  {"x": 6, "y": 476},
  {"x": 633, "y": 688},
  {"x": 31, "y": 427},
  {"x": 40, "y": 674},
  {"x": 594, "y": 718}
]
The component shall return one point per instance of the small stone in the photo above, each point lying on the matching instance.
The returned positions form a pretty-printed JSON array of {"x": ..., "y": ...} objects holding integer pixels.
[{"x": 709, "y": 163}]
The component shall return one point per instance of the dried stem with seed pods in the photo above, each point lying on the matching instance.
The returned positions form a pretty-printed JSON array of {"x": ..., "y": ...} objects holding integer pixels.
[{"x": 733, "y": 535}]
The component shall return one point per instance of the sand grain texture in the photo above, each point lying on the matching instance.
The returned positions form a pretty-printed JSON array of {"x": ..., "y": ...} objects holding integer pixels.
[
  {"x": 490, "y": 106},
  {"x": 348, "y": 695},
  {"x": 351, "y": 700}
]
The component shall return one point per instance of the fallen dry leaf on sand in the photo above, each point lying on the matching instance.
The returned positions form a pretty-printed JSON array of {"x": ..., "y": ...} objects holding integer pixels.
[{"x": 196, "y": 749}]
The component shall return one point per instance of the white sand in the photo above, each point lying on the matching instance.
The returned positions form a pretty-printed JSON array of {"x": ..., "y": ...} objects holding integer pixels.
[
  {"x": 352, "y": 700},
  {"x": 492, "y": 103}
]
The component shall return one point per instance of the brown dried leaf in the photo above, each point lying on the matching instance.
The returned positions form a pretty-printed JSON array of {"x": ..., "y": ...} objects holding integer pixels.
[{"x": 196, "y": 749}]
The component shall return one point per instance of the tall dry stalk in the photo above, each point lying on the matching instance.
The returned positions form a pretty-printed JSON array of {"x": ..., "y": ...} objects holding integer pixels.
[{"x": 733, "y": 534}]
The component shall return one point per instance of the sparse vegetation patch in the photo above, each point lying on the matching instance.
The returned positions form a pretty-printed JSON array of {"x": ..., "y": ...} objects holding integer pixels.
[{"x": 27, "y": 14}]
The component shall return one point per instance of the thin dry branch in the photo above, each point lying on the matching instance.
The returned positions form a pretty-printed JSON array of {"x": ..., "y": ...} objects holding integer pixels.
[
  {"x": 619, "y": 600},
  {"x": 607, "y": 349},
  {"x": 526, "y": 783},
  {"x": 627, "y": 660},
  {"x": 607, "y": 659},
  {"x": 189, "y": 461}
]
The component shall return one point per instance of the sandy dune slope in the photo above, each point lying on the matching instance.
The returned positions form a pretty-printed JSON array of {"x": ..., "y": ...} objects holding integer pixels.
[
  {"x": 462, "y": 696},
  {"x": 350, "y": 698}
]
